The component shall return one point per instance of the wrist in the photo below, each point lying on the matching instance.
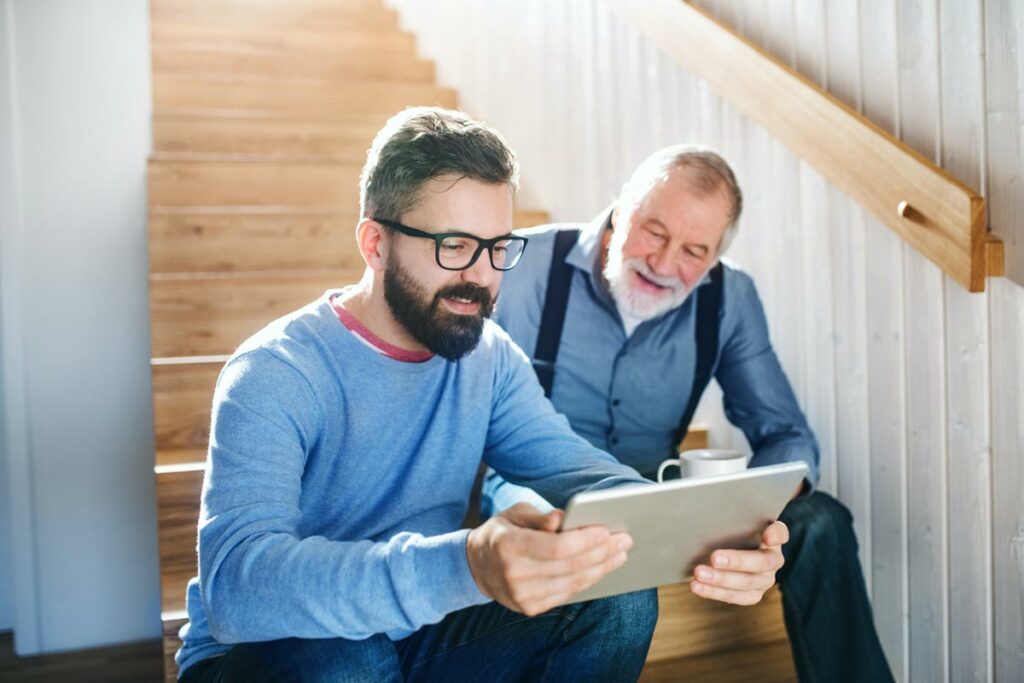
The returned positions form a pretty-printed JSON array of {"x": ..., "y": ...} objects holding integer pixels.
[{"x": 474, "y": 558}]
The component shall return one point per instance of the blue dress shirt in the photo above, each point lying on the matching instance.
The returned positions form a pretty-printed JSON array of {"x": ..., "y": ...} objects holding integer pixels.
[{"x": 626, "y": 395}]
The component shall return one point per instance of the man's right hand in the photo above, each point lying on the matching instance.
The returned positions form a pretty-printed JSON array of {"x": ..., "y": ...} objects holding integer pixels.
[{"x": 519, "y": 559}]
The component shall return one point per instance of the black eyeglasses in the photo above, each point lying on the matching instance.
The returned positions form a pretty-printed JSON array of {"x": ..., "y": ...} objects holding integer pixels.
[{"x": 460, "y": 250}]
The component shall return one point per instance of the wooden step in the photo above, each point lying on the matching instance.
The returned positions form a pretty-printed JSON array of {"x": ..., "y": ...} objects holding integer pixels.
[
  {"x": 309, "y": 184},
  {"x": 362, "y": 39},
  {"x": 218, "y": 241},
  {"x": 215, "y": 184},
  {"x": 268, "y": 138},
  {"x": 341, "y": 65},
  {"x": 182, "y": 395},
  {"x": 268, "y": 14},
  {"x": 301, "y": 98},
  {"x": 232, "y": 242},
  {"x": 770, "y": 662},
  {"x": 204, "y": 316},
  {"x": 178, "y": 494},
  {"x": 689, "y": 625},
  {"x": 172, "y": 621}
]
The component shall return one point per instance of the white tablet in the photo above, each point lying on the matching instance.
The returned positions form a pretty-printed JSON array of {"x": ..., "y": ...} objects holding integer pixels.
[{"x": 676, "y": 525}]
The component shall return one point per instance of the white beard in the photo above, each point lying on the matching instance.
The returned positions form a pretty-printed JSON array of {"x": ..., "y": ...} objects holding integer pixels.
[{"x": 630, "y": 300}]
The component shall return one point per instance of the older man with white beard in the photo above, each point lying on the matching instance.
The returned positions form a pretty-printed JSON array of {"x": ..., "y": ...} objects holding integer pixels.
[{"x": 628, "y": 318}]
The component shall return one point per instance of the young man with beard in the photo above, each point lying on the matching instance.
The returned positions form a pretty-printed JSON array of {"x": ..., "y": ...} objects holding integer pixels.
[
  {"x": 628, "y": 319},
  {"x": 346, "y": 437}
]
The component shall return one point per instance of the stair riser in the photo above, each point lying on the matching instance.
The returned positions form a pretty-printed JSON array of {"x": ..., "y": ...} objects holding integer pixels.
[
  {"x": 352, "y": 40},
  {"x": 239, "y": 59},
  {"x": 327, "y": 186},
  {"x": 205, "y": 317},
  {"x": 239, "y": 136},
  {"x": 323, "y": 100}
]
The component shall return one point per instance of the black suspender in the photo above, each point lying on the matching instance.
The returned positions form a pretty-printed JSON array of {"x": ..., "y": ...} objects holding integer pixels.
[
  {"x": 556, "y": 299},
  {"x": 709, "y": 303},
  {"x": 552, "y": 320}
]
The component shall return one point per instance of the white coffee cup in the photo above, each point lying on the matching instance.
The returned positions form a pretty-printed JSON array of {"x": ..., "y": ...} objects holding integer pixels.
[{"x": 705, "y": 462}]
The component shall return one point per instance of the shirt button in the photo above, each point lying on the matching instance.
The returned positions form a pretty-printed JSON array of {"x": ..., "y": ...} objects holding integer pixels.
[
  {"x": 615, "y": 403},
  {"x": 614, "y": 441}
]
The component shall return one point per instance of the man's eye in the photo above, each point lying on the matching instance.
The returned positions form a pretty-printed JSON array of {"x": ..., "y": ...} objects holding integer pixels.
[
  {"x": 655, "y": 235},
  {"x": 693, "y": 254},
  {"x": 453, "y": 247}
]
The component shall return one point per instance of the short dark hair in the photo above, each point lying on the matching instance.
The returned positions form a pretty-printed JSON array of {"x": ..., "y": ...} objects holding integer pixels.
[{"x": 422, "y": 143}]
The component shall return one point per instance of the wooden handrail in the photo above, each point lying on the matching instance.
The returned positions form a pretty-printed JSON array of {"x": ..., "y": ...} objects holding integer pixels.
[{"x": 930, "y": 209}]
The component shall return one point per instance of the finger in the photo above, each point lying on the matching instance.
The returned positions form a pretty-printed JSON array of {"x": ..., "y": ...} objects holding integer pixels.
[
  {"x": 732, "y": 597},
  {"x": 749, "y": 561},
  {"x": 554, "y": 520},
  {"x": 733, "y": 580},
  {"x": 526, "y": 516},
  {"x": 616, "y": 543},
  {"x": 565, "y": 545},
  {"x": 777, "y": 534},
  {"x": 539, "y": 591}
]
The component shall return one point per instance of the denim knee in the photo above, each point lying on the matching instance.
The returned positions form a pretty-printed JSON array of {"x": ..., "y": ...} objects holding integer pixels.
[
  {"x": 312, "y": 661},
  {"x": 820, "y": 520},
  {"x": 633, "y": 615}
]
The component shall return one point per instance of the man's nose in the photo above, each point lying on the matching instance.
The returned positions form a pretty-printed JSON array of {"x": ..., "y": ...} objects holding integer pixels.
[
  {"x": 481, "y": 273},
  {"x": 663, "y": 262}
]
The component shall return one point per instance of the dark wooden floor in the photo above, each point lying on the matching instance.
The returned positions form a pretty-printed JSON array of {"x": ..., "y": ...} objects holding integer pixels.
[{"x": 140, "y": 662}]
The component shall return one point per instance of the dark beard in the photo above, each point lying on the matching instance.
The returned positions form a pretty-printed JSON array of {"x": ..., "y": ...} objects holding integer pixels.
[{"x": 449, "y": 335}]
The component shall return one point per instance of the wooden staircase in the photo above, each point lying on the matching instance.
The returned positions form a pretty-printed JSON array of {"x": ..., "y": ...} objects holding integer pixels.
[{"x": 262, "y": 114}]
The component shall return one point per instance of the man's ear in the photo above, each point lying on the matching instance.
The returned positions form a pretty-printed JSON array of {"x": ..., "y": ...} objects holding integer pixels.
[{"x": 372, "y": 243}]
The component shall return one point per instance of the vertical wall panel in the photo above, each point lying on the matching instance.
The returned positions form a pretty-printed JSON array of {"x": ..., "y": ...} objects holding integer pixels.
[
  {"x": 885, "y": 302},
  {"x": 1004, "y": 85},
  {"x": 816, "y": 235},
  {"x": 846, "y": 221},
  {"x": 967, "y": 359},
  {"x": 1007, "y": 331},
  {"x": 924, "y": 315}
]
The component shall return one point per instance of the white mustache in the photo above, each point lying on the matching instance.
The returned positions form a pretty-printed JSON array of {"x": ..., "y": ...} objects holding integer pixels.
[{"x": 664, "y": 281}]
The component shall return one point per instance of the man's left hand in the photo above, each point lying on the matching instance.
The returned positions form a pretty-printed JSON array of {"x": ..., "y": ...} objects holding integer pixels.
[{"x": 741, "y": 577}]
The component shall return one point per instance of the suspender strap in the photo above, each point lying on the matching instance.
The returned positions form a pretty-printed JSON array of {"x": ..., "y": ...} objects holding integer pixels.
[
  {"x": 709, "y": 303},
  {"x": 553, "y": 317}
]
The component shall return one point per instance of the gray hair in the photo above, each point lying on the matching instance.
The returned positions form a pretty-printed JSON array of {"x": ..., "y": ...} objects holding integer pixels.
[
  {"x": 706, "y": 170},
  {"x": 422, "y": 143}
]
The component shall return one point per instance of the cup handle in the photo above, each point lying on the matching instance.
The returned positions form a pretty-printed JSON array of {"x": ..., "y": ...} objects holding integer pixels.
[{"x": 671, "y": 462}]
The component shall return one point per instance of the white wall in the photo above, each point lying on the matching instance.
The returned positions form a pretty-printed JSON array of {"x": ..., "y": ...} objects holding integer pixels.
[
  {"x": 914, "y": 387},
  {"x": 8, "y": 219},
  {"x": 75, "y": 134}
]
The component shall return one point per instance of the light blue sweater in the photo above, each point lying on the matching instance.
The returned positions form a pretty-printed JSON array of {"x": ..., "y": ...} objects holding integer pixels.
[{"x": 337, "y": 479}]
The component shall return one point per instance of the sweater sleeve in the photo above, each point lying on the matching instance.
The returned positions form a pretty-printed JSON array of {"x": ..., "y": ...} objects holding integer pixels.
[
  {"x": 259, "y": 578},
  {"x": 530, "y": 444}
]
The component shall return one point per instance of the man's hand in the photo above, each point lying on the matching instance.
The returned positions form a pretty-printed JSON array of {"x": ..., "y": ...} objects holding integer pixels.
[
  {"x": 518, "y": 559},
  {"x": 741, "y": 577}
]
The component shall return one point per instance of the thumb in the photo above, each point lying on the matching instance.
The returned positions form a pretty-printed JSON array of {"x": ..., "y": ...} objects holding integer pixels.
[
  {"x": 776, "y": 535},
  {"x": 529, "y": 517}
]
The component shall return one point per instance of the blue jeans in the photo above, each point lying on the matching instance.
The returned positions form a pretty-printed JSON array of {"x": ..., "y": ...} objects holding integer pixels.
[
  {"x": 824, "y": 600},
  {"x": 601, "y": 640}
]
